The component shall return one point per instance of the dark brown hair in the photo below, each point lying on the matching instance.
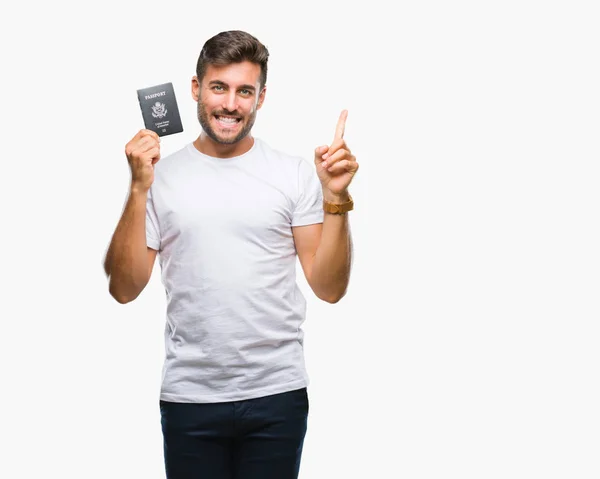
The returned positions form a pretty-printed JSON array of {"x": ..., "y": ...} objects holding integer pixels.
[{"x": 230, "y": 47}]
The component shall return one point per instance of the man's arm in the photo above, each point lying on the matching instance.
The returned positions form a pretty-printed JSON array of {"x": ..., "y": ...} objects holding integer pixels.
[
  {"x": 325, "y": 250},
  {"x": 325, "y": 253},
  {"x": 129, "y": 261}
]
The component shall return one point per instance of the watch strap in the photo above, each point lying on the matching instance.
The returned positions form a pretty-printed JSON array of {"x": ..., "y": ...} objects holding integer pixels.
[{"x": 338, "y": 208}]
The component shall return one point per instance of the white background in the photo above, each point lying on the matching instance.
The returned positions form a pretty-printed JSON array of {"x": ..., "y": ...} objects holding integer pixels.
[{"x": 468, "y": 343}]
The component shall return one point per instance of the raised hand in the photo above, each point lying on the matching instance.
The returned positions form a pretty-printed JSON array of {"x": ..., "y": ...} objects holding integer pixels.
[
  {"x": 336, "y": 165},
  {"x": 143, "y": 151}
]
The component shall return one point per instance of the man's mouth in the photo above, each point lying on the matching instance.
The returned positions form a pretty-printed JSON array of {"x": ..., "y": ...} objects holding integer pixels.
[{"x": 226, "y": 121}]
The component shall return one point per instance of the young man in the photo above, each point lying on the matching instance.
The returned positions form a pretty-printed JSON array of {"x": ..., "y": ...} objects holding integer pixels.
[{"x": 228, "y": 215}]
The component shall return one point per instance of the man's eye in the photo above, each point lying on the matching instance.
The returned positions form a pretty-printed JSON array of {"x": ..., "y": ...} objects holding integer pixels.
[
  {"x": 218, "y": 88},
  {"x": 245, "y": 92}
]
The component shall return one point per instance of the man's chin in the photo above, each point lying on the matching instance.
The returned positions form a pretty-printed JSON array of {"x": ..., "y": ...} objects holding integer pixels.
[{"x": 227, "y": 139}]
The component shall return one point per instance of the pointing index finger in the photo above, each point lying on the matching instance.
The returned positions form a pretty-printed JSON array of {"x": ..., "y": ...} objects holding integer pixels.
[{"x": 341, "y": 125}]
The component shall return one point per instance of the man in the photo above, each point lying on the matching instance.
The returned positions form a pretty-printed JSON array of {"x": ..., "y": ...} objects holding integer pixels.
[{"x": 228, "y": 215}]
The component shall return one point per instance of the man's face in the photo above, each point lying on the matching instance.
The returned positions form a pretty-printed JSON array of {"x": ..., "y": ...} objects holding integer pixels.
[{"x": 228, "y": 99}]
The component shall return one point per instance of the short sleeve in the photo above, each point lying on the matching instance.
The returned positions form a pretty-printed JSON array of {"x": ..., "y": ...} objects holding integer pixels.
[
  {"x": 309, "y": 206},
  {"x": 152, "y": 228}
]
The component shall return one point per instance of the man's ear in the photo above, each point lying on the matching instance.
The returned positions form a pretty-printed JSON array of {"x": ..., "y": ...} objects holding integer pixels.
[
  {"x": 261, "y": 97},
  {"x": 195, "y": 88}
]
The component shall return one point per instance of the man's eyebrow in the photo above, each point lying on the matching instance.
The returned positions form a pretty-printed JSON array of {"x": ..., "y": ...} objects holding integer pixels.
[{"x": 222, "y": 83}]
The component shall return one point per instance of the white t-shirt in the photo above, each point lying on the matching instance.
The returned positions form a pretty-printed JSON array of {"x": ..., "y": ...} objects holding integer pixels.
[{"x": 223, "y": 229}]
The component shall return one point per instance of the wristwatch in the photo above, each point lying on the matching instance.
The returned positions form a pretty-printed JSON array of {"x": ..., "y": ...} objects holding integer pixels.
[{"x": 338, "y": 209}]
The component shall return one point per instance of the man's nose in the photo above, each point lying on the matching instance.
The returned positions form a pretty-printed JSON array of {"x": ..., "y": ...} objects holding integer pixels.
[{"x": 230, "y": 102}]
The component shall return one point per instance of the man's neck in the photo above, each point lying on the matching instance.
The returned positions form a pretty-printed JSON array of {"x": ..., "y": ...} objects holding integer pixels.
[{"x": 205, "y": 144}]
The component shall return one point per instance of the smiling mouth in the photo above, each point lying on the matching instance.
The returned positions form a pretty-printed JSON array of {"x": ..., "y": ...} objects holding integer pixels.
[{"x": 227, "y": 121}]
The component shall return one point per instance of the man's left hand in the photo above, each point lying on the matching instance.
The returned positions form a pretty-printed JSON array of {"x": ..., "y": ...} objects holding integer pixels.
[{"x": 336, "y": 165}]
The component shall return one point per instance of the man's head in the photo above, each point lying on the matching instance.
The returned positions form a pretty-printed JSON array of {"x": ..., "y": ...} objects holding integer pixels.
[{"x": 229, "y": 85}]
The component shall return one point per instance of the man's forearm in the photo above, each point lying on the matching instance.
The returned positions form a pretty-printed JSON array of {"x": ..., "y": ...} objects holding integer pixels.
[
  {"x": 331, "y": 266},
  {"x": 126, "y": 262}
]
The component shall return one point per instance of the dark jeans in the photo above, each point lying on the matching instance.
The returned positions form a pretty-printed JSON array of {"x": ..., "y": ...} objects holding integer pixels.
[{"x": 258, "y": 438}]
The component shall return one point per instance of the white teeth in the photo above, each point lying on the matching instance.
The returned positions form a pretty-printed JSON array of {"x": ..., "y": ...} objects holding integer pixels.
[{"x": 225, "y": 119}]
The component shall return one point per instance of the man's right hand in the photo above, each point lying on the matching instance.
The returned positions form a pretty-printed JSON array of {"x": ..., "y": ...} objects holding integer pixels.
[{"x": 143, "y": 151}]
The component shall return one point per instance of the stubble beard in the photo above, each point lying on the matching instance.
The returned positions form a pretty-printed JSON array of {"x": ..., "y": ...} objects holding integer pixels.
[{"x": 204, "y": 119}]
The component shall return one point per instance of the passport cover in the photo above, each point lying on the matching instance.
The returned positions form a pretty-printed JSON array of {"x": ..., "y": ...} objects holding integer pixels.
[{"x": 159, "y": 109}]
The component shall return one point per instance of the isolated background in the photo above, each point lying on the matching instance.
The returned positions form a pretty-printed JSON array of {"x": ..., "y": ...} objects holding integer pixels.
[{"x": 467, "y": 345}]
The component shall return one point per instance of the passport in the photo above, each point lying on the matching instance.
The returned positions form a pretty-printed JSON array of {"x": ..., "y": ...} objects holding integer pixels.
[{"x": 159, "y": 109}]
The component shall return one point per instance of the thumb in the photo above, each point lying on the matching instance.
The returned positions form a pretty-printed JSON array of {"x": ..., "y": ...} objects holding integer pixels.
[{"x": 319, "y": 152}]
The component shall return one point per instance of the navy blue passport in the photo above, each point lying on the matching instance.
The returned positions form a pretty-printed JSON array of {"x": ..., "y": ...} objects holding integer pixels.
[{"x": 159, "y": 109}]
